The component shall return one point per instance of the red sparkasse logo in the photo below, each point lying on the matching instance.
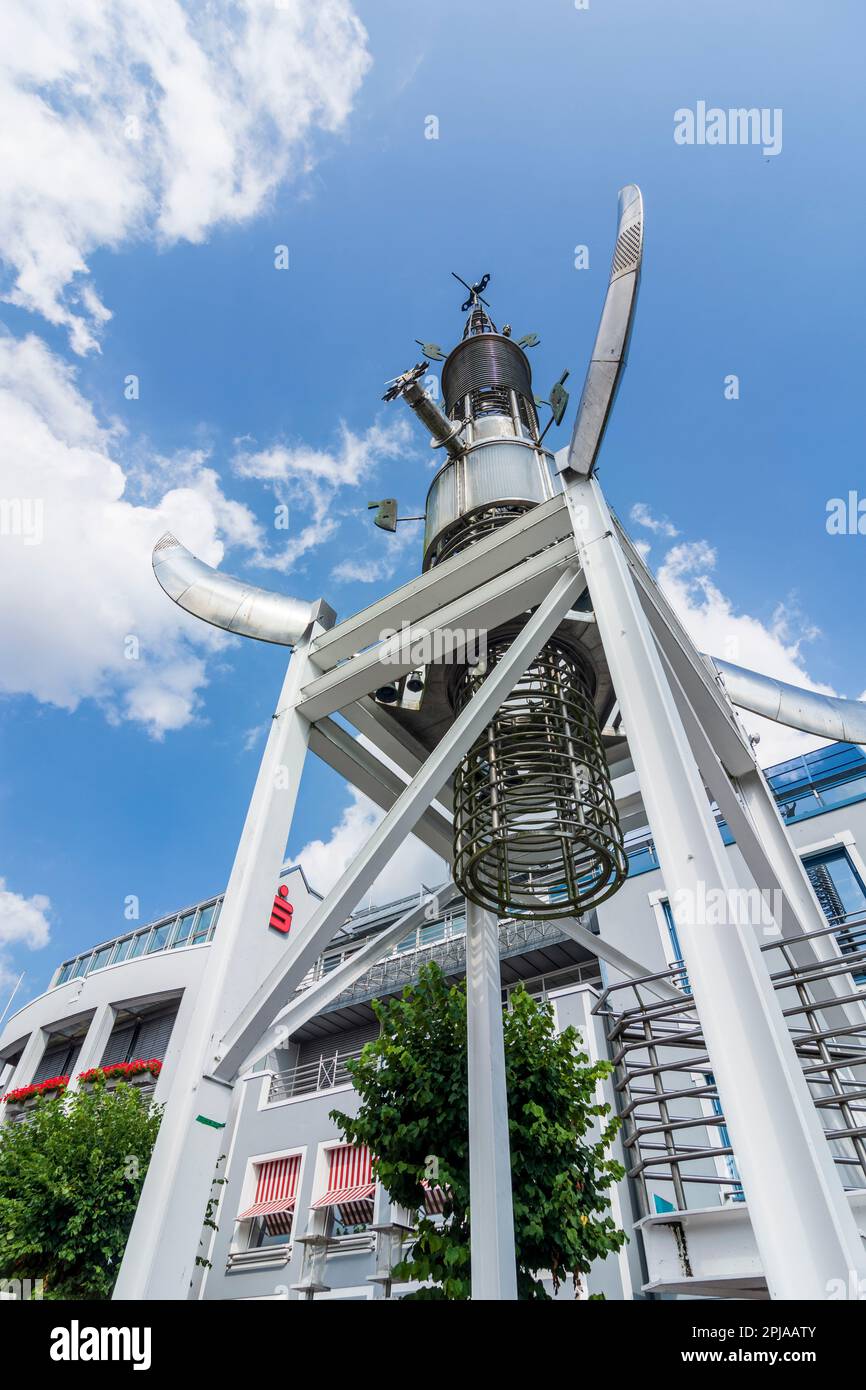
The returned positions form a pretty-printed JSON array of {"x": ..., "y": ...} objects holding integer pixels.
[{"x": 281, "y": 912}]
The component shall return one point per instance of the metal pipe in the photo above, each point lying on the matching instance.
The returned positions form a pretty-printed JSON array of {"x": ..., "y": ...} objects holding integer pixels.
[
  {"x": 443, "y": 430},
  {"x": 233, "y": 604},
  {"x": 827, "y": 716}
]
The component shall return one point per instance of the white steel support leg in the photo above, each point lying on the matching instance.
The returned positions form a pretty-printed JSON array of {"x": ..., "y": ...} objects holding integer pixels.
[
  {"x": 494, "y": 1268},
  {"x": 803, "y": 1224},
  {"x": 160, "y": 1255}
]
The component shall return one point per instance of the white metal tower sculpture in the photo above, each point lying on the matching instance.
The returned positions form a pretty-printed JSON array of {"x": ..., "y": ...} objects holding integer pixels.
[{"x": 504, "y": 775}]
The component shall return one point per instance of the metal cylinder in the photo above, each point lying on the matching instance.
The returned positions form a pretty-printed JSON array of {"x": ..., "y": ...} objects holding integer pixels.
[
  {"x": 485, "y": 362},
  {"x": 536, "y": 831}
]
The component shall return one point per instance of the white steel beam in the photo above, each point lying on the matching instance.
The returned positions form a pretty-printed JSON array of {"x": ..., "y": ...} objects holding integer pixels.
[
  {"x": 241, "y": 1037},
  {"x": 750, "y": 810},
  {"x": 393, "y": 740},
  {"x": 709, "y": 701},
  {"x": 803, "y": 1224},
  {"x": 629, "y": 968},
  {"x": 528, "y": 534},
  {"x": 484, "y": 608},
  {"x": 491, "y": 1223},
  {"x": 159, "y": 1261},
  {"x": 312, "y": 1001},
  {"x": 366, "y": 771}
]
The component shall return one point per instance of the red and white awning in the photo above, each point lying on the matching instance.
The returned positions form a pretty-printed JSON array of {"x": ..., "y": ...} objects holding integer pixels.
[
  {"x": 435, "y": 1198},
  {"x": 351, "y": 1185},
  {"x": 276, "y": 1191}
]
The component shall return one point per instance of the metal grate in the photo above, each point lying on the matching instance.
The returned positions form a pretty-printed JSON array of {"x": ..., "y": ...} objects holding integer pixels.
[
  {"x": 627, "y": 250},
  {"x": 534, "y": 811}
]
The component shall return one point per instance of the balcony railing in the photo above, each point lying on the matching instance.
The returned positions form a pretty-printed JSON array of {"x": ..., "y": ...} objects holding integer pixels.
[
  {"x": 674, "y": 1126},
  {"x": 394, "y": 972},
  {"x": 322, "y": 1075}
]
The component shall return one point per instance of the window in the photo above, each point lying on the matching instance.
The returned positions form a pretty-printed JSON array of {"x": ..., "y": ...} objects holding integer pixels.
[
  {"x": 348, "y": 1198},
  {"x": 206, "y": 920},
  {"x": 682, "y": 978},
  {"x": 139, "y": 944},
  {"x": 842, "y": 894},
  {"x": 272, "y": 1212},
  {"x": 184, "y": 928},
  {"x": 736, "y": 1190},
  {"x": 159, "y": 936}
]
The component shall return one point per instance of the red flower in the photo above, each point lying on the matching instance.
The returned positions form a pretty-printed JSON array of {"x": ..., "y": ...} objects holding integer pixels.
[
  {"x": 54, "y": 1083},
  {"x": 112, "y": 1071}
]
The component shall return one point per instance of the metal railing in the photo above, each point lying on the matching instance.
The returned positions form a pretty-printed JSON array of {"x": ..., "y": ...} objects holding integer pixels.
[
  {"x": 321, "y": 1075},
  {"x": 674, "y": 1131},
  {"x": 394, "y": 972}
]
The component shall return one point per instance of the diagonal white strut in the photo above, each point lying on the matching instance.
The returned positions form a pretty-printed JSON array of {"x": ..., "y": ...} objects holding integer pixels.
[
  {"x": 313, "y": 1000},
  {"x": 277, "y": 989}
]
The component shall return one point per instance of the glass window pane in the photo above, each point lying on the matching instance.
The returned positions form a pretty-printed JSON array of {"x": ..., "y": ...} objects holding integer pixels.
[
  {"x": 435, "y": 931},
  {"x": 121, "y": 950},
  {"x": 159, "y": 936},
  {"x": 139, "y": 944},
  {"x": 102, "y": 958},
  {"x": 65, "y": 972},
  {"x": 80, "y": 966},
  {"x": 183, "y": 930},
  {"x": 203, "y": 925}
]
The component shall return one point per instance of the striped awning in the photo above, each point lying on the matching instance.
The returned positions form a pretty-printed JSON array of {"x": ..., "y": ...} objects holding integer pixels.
[
  {"x": 435, "y": 1198},
  {"x": 276, "y": 1190},
  {"x": 351, "y": 1185}
]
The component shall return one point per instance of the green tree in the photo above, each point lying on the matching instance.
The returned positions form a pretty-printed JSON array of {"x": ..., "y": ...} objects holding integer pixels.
[
  {"x": 414, "y": 1117},
  {"x": 70, "y": 1177}
]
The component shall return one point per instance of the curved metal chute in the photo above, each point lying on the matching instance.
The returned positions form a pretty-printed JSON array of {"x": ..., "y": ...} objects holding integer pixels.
[
  {"x": 611, "y": 345},
  {"x": 827, "y": 716},
  {"x": 232, "y": 603}
]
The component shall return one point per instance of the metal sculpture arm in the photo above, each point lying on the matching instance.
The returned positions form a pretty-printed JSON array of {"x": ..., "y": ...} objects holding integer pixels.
[
  {"x": 232, "y": 603},
  {"x": 826, "y": 716},
  {"x": 611, "y": 345}
]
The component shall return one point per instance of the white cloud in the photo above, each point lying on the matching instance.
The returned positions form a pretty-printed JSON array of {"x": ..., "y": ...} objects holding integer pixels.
[
  {"x": 642, "y": 516},
  {"x": 23, "y": 922},
  {"x": 413, "y": 863},
  {"x": 686, "y": 577},
  {"x": 390, "y": 549},
  {"x": 310, "y": 480},
  {"x": 122, "y": 121},
  {"x": 69, "y": 603},
  {"x": 325, "y": 860}
]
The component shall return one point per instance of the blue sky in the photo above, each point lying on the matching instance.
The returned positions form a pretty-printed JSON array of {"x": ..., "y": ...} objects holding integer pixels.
[{"x": 119, "y": 781}]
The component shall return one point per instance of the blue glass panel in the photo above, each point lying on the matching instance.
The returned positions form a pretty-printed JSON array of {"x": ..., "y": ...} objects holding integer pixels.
[
  {"x": 183, "y": 930},
  {"x": 205, "y": 922},
  {"x": 158, "y": 938}
]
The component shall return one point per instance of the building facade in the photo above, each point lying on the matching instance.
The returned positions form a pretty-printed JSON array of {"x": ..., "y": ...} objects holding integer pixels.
[{"x": 297, "y": 1211}]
